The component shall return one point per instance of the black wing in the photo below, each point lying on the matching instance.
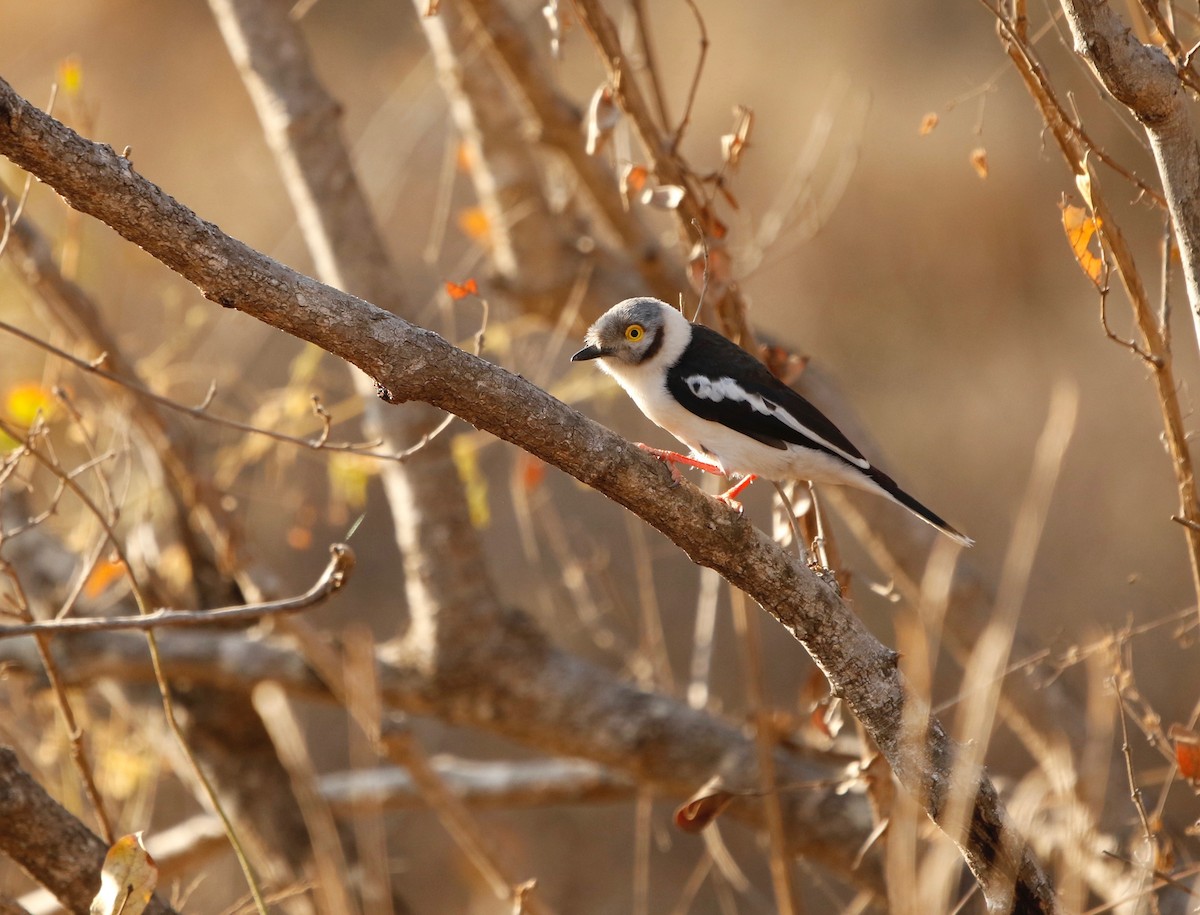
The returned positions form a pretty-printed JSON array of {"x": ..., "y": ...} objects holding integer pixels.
[{"x": 719, "y": 381}]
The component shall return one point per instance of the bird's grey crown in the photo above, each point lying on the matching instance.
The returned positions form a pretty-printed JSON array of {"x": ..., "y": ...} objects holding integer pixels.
[{"x": 608, "y": 333}]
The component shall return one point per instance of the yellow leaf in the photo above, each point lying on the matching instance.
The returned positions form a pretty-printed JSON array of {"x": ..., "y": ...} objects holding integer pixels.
[
  {"x": 70, "y": 76},
  {"x": 348, "y": 477},
  {"x": 466, "y": 461},
  {"x": 127, "y": 879},
  {"x": 1081, "y": 229},
  {"x": 24, "y": 401},
  {"x": 928, "y": 122},
  {"x": 305, "y": 364}
]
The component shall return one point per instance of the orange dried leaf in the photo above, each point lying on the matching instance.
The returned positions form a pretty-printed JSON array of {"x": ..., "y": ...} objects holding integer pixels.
[
  {"x": 633, "y": 180},
  {"x": 1187, "y": 753},
  {"x": 1081, "y": 229},
  {"x": 704, "y": 806},
  {"x": 457, "y": 291},
  {"x": 928, "y": 123},
  {"x": 473, "y": 223},
  {"x": 127, "y": 879},
  {"x": 103, "y": 575},
  {"x": 783, "y": 364},
  {"x": 463, "y": 158},
  {"x": 299, "y": 538},
  {"x": 533, "y": 471},
  {"x": 827, "y": 718},
  {"x": 979, "y": 161}
]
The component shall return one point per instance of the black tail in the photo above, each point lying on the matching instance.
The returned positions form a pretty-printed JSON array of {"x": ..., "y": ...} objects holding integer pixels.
[{"x": 898, "y": 495}]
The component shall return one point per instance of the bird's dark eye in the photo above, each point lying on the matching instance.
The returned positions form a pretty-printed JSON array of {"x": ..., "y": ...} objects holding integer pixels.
[{"x": 634, "y": 332}]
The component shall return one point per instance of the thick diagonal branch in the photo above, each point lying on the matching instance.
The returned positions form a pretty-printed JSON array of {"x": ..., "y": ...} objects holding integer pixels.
[{"x": 411, "y": 363}]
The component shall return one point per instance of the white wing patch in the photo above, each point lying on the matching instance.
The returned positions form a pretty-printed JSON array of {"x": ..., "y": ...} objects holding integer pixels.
[{"x": 718, "y": 389}]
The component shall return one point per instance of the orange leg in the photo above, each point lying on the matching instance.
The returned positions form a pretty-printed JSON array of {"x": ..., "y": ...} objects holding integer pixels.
[
  {"x": 672, "y": 458},
  {"x": 729, "y": 497}
]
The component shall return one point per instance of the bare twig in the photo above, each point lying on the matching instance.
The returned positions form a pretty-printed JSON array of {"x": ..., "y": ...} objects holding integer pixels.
[
  {"x": 330, "y": 582},
  {"x": 699, "y": 71},
  {"x": 200, "y": 412}
]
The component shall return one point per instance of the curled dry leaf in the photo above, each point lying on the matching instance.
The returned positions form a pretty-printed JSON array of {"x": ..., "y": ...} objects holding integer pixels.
[
  {"x": 521, "y": 893},
  {"x": 633, "y": 181},
  {"x": 735, "y": 143},
  {"x": 827, "y": 717},
  {"x": 602, "y": 116},
  {"x": 784, "y": 364},
  {"x": 704, "y": 806},
  {"x": 664, "y": 196},
  {"x": 127, "y": 879},
  {"x": 979, "y": 161},
  {"x": 928, "y": 123}
]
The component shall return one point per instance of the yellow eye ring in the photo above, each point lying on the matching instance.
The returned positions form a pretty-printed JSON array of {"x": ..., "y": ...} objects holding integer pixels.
[{"x": 634, "y": 332}]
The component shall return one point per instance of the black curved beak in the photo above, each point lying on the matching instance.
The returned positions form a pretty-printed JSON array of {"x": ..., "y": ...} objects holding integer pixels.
[{"x": 588, "y": 352}]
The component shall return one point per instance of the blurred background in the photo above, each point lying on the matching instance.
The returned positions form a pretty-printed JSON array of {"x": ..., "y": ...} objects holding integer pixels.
[{"x": 943, "y": 301}]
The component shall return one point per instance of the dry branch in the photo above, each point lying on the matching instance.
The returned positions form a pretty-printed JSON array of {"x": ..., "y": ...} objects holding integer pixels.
[{"x": 410, "y": 363}]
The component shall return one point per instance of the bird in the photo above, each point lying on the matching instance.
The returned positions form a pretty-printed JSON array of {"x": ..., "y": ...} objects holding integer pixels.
[{"x": 737, "y": 419}]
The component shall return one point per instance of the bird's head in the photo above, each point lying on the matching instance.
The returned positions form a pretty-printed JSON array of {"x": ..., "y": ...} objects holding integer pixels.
[{"x": 631, "y": 332}]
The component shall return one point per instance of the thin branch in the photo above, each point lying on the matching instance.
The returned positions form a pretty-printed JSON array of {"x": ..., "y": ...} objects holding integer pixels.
[
  {"x": 319, "y": 443},
  {"x": 691, "y": 98},
  {"x": 331, "y": 581}
]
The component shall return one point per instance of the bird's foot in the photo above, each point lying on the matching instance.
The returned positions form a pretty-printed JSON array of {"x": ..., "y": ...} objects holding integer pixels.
[
  {"x": 729, "y": 502},
  {"x": 729, "y": 496},
  {"x": 673, "y": 458}
]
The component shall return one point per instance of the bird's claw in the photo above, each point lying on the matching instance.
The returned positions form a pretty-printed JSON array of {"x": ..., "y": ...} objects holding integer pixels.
[
  {"x": 730, "y": 502},
  {"x": 665, "y": 457}
]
